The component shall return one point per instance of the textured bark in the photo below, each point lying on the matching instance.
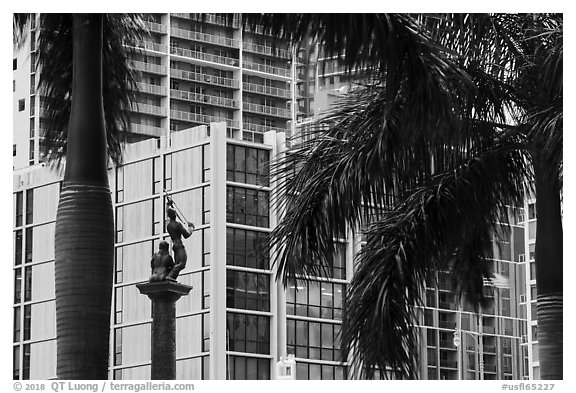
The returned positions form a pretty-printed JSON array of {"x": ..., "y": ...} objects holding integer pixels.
[
  {"x": 549, "y": 272},
  {"x": 84, "y": 272},
  {"x": 84, "y": 241},
  {"x": 550, "y": 312}
]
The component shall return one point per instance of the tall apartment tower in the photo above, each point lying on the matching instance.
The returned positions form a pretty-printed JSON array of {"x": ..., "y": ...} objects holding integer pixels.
[{"x": 195, "y": 69}]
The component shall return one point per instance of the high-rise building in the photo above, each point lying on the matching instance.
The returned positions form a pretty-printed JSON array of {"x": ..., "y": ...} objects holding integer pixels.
[
  {"x": 237, "y": 321},
  {"x": 195, "y": 69}
]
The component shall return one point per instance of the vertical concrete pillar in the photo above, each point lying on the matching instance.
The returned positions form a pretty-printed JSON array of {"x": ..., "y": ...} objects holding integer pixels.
[
  {"x": 164, "y": 295},
  {"x": 218, "y": 341}
]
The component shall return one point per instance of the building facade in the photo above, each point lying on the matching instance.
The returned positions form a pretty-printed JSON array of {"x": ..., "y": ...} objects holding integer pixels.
[
  {"x": 237, "y": 321},
  {"x": 194, "y": 69}
]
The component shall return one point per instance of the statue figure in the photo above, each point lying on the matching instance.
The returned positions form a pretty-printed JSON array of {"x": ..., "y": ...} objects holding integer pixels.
[
  {"x": 177, "y": 231},
  {"x": 162, "y": 263}
]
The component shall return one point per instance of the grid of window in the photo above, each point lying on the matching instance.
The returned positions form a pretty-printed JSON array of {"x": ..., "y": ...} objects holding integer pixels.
[
  {"x": 247, "y": 206},
  {"x": 28, "y": 284},
  {"x": 248, "y": 333},
  {"x": 28, "y": 246},
  {"x": 431, "y": 337},
  {"x": 119, "y": 302},
  {"x": 19, "y": 208},
  {"x": 27, "y": 322},
  {"x": 16, "y": 363},
  {"x": 31, "y": 150},
  {"x": 17, "y": 285},
  {"x": 158, "y": 216},
  {"x": 156, "y": 176},
  {"x": 246, "y": 290},
  {"x": 17, "y": 318},
  {"x": 311, "y": 371},
  {"x": 119, "y": 265},
  {"x": 337, "y": 267},
  {"x": 247, "y": 248},
  {"x": 120, "y": 184},
  {"x": 118, "y": 347},
  {"x": 247, "y": 165},
  {"x": 18, "y": 248},
  {"x": 29, "y": 206},
  {"x": 26, "y": 362},
  {"x": 315, "y": 299},
  {"x": 168, "y": 172},
  {"x": 313, "y": 340},
  {"x": 242, "y": 368},
  {"x": 192, "y": 368}
]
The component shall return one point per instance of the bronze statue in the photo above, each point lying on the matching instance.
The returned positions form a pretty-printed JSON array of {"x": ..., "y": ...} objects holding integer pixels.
[
  {"x": 162, "y": 263},
  {"x": 177, "y": 231}
]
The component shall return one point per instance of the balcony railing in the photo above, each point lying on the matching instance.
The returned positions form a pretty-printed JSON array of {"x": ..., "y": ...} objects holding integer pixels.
[
  {"x": 146, "y": 129},
  {"x": 447, "y": 324},
  {"x": 148, "y": 109},
  {"x": 156, "y": 27},
  {"x": 204, "y": 98},
  {"x": 204, "y": 37},
  {"x": 230, "y": 61},
  {"x": 448, "y": 363},
  {"x": 154, "y": 46},
  {"x": 261, "y": 128},
  {"x": 151, "y": 89},
  {"x": 205, "y": 78},
  {"x": 202, "y": 119},
  {"x": 266, "y": 50},
  {"x": 211, "y": 18},
  {"x": 266, "y": 110},
  {"x": 149, "y": 67},
  {"x": 266, "y": 68},
  {"x": 261, "y": 89}
]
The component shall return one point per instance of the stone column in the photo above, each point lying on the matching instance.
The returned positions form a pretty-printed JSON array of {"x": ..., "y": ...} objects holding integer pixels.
[{"x": 164, "y": 295}]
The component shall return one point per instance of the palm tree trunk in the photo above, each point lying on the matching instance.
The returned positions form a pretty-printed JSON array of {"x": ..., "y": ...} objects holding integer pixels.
[
  {"x": 549, "y": 271},
  {"x": 84, "y": 245}
]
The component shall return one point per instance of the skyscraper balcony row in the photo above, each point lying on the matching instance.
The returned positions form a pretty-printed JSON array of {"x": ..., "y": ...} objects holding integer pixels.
[{"x": 205, "y": 37}]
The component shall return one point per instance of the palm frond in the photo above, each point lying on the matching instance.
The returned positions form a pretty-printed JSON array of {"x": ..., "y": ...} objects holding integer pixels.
[
  {"x": 540, "y": 91},
  {"x": 361, "y": 154},
  {"x": 445, "y": 219},
  {"x": 19, "y": 23},
  {"x": 55, "y": 59}
]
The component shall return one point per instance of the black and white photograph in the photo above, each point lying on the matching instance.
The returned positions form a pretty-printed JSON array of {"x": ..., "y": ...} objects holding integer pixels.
[{"x": 287, "y": 196}]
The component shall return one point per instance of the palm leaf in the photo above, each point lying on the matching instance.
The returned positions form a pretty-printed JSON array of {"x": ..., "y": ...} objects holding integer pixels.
[
  {"x": 436, "y": 223},
  {"x": 362, "y": 153},
  {"x": 121, "y": 32},
  {"x": 19, "y": 23}
]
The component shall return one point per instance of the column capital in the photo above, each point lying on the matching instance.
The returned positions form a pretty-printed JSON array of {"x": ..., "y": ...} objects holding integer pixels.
[{"x": 167, "y": 288}]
